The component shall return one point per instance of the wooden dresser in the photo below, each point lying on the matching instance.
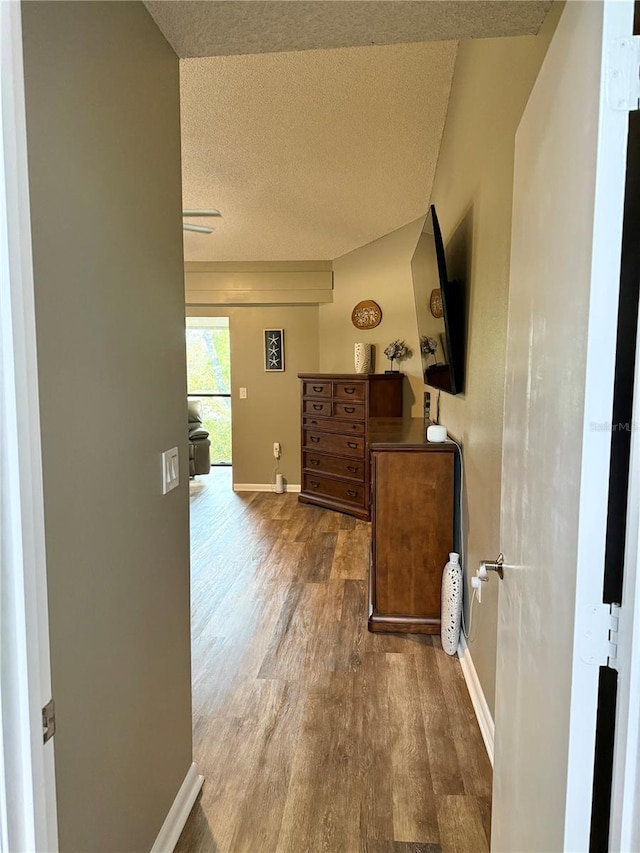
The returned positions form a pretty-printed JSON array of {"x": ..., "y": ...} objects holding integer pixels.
[
  {"x": 412, "y": 533},
  {"x": 335, "y": 414}
]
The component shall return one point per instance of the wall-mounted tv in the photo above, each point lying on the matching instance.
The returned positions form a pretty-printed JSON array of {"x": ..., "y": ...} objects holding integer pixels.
[{"x": 440, "y": 309}]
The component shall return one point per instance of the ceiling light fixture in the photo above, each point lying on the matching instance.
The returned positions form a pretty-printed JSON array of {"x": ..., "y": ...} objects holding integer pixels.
[
  {"x": 199, "y": 229},
  {"x": 212, "y": 212}
]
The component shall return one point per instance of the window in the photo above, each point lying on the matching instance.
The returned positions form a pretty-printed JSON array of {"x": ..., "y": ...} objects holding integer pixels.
[{"x": 209, "y": 380}]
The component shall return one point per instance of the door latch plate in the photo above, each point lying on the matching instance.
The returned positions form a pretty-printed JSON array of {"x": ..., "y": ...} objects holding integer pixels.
[{"x": 48, "y": 721}]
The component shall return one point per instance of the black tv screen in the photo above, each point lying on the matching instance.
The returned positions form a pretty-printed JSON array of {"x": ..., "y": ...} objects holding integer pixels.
[{"x": 440, "y": 309}]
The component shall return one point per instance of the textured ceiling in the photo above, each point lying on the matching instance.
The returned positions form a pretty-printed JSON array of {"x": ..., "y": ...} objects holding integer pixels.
[
  {"x": 214, "y": 28},
  {"x": 311, "y": 154},
  {"x": 311, "y": 151}
]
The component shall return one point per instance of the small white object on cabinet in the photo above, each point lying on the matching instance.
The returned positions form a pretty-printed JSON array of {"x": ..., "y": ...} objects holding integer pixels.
[{"x": 436, "y": 433}]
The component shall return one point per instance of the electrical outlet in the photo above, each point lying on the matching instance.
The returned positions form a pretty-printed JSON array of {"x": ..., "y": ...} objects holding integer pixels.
[
  {"x": 476, "y": 583},
  {"x": 243, "y": 393},
  {"x": 276, "y": 450}
]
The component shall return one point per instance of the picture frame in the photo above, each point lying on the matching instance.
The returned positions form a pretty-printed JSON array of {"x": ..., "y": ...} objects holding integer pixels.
[{"x": 274, "y": 350}]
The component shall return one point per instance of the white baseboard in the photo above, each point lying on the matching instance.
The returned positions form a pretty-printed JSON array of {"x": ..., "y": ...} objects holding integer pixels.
[
  {"x": 478, "y": 700},
  {"x": 263, "y": 487},
  {"x": 179, "y": 812}
]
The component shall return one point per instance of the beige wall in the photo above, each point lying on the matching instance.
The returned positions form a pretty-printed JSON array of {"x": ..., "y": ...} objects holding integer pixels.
[
  {"x": 472, "y": 192},
  {"x": 104, "y": 162},
  {"x": 271, "y": 411},
  {"x": 380, "y": 271}
]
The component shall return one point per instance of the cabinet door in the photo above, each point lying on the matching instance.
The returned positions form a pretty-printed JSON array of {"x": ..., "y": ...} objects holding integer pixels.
[{"x": 413, "y": 530}]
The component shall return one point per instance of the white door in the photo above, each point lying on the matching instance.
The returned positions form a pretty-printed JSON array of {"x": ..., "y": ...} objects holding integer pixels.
[
  {"x": 565, "y": 262},
  {"x": 27, "y": 779}
]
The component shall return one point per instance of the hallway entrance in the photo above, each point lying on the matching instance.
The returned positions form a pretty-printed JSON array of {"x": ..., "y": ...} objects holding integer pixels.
[{"x": 312, "y": 733}]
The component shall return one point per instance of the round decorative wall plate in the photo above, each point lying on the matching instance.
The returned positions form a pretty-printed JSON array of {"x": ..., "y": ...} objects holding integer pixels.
[
  {"x": 366, "y": 315},
  {"x": 435, "y": 303}
]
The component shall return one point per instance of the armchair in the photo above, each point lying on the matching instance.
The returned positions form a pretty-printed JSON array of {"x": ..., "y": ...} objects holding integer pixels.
[{"x": 199, "y": 444}]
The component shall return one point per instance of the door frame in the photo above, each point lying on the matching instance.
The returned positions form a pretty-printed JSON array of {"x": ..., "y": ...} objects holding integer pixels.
[
  {"x": 624, "y": 829},
  {"x": 27, "y": 773},
  {"x": 592, "y": 616},
  {"x": 625, "y": 819},
  {"x": 585, "y": 648}
]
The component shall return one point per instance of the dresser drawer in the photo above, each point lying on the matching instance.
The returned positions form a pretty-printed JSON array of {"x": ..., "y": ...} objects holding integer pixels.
[
  {"x": 349, "y": 390},
  {"x": 335, "y": 411},
  {"x": 317, "y": 407},
  {"x": 316, "y": 389},
  {"x": 347, "y": 445},
  {"x": 351, "y": 469},
  {"x": 352, "y": 493},
  {"x": 348, "y": 410},
  {"x": 331, "y": 425}
]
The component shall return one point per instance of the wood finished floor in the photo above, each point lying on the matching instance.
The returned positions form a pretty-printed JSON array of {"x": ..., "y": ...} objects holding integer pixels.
[{"x": 313, "y": 734}]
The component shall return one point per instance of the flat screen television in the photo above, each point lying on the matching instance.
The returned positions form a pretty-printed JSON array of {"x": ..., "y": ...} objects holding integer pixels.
[{"x": 440, "y": 309}]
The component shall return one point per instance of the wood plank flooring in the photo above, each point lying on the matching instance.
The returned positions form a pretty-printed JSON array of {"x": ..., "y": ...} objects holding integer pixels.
[{"x": 313, "y": 734}]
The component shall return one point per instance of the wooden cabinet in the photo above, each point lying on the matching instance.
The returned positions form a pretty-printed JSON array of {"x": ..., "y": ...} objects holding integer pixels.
[
  {"x": 335, "y": 411},
  {"x": 412, "y": 534}
]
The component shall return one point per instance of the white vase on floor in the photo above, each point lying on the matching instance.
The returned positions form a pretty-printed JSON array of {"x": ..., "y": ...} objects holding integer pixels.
[
  {"x": 362, "y": 358},
  {"x": 451, "y": 604}
]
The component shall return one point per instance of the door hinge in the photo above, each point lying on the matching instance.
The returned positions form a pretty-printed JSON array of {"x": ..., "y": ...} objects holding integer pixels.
[
  {"x": 48, "y": 721},
  {"x": 623, "y": 74},
  {"x": 599, "y": 635},
  {"x": 614, "y": 621}
]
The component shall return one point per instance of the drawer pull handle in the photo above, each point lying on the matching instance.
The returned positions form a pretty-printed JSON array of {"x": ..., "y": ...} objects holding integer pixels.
[
  {"x": 315, "y": 484},
  {"x": 314, "y": 461},
  {"x": 352, "y": 468},
  {"x": 314, "y": 438},
  {"x": 318, "y": 388},
  {"x": 349, "y": 390},
  {"x": 349, "y": 409},
  {"x": 353, "y": 444},
  {"x": 352, "y": 493},
  {"x": 317, "y": 407}
]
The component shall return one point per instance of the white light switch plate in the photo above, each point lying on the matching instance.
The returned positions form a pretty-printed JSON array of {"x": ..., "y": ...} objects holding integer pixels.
[
  {"x": 170, "y": 470},
  {"x": 243, "y": 393}
]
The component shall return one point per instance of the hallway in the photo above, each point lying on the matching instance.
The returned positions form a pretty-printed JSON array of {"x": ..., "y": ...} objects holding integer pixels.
[{"x": 313, "y": 734}]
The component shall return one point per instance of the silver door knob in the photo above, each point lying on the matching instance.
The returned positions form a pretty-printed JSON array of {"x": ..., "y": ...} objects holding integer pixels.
[{"x": 492, "y": 566}]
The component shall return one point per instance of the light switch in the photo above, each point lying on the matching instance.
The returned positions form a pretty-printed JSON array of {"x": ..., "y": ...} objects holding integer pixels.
[
  {"x": 170, "y": 470},
  {"x": 243, "y": 393}
]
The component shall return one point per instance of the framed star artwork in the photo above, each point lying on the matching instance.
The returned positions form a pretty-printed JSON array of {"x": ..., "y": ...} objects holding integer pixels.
[{"x": 274, "y": 350}]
